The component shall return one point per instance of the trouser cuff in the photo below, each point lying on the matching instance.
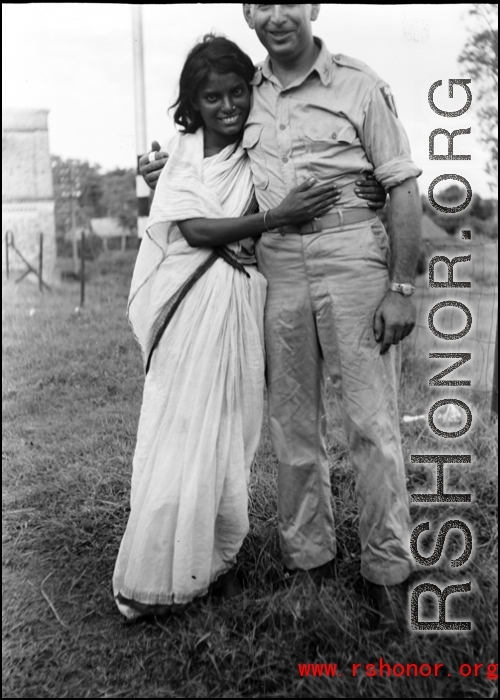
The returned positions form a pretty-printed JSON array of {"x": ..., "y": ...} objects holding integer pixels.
[{"x": 389, "y": 575}]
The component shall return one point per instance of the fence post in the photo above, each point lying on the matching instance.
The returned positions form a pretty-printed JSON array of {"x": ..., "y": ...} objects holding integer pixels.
[
  {"x": 494, "y": 393},
  {"x": 82, "y": 270},
  {"x": 40, "y": 265}
]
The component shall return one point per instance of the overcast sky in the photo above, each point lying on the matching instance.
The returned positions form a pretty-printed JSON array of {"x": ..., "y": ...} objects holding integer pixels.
[{"x": 76, "y": 61}]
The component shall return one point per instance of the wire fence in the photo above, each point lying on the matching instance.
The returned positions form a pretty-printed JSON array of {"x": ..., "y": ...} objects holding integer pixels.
[{"x": 481, "y": 299}]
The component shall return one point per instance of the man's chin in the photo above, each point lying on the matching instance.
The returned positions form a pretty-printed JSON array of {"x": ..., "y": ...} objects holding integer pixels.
[
  {"x": 285, "y": 50},
  {"x": 287, "y": 42}
]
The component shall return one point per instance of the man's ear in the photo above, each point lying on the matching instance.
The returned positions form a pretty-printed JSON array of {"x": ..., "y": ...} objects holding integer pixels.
[
  {"x": 247, "y": 12},
  {"x": 314, "y": 12}
]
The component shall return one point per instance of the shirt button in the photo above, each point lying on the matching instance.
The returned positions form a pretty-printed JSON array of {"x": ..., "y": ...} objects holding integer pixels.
[
  {"x": 285, "y": 160},
  {"x": 282, "y": 127},
  {"x": 334, "y": 135}
]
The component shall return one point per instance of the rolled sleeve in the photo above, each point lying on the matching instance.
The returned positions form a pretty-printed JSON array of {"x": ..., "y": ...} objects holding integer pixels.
[
  {"x": 396, "y": 171},
  {"x": 385, "y": 141}
]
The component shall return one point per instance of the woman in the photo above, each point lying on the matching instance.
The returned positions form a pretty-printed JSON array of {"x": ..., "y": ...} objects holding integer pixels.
[{"x": 196, "y": 307}]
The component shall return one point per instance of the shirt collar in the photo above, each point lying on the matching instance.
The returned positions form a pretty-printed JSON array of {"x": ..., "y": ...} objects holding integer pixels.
[{"x": 322, "y": 66}]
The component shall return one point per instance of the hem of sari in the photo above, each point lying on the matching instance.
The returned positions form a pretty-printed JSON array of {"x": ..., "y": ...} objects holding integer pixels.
[{"x": 130, "y": 603}]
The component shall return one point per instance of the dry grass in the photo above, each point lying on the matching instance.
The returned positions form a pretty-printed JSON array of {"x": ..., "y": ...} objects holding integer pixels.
[{"x": 72, "y": 390}]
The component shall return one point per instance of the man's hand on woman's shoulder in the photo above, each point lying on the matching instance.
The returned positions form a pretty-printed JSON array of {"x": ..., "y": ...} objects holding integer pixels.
[{"x": 151, "y": 164}]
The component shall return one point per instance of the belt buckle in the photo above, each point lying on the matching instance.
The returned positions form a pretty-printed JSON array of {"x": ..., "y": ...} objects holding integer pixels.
[
  {"x": 317, "y": 225},
  {"x": 314, "y": 226}
]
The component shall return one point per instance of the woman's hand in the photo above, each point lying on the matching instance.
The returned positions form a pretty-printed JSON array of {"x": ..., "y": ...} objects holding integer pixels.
[
  {"x": 304, "y": 203},
  {"x": 370, "y": 190}
]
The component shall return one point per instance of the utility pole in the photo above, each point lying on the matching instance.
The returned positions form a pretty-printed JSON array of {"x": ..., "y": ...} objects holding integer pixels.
[{"x": 142, "y": 190}]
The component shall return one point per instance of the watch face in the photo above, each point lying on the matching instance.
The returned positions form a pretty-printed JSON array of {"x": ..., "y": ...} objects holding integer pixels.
[{"x": 404, "y": 289}]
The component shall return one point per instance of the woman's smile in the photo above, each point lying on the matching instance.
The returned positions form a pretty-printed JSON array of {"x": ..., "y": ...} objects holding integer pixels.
[{"x": 231, "y": 120}]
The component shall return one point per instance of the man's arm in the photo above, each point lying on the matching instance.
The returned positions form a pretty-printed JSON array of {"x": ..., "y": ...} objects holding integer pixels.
[
  {"x": 367, "y": 188},
  {"x": 396, "y": 316}
]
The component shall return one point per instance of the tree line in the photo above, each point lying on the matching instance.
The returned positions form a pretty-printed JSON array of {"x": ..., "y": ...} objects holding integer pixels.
[
  {"x": 83, "y": 191},
  {"x": 481, "y": 216},
  {"x": 112, "y": 194}
]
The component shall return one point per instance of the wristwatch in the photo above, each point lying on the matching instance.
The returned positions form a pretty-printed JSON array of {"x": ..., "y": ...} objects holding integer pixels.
[{"x": 405, "y": 289}]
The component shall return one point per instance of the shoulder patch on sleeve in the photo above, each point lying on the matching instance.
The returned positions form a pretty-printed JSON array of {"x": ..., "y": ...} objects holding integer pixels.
[{"x": 389, "y": 98}]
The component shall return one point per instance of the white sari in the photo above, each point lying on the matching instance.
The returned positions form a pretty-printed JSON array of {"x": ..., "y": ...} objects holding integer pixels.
[{"x": 202, "y": 407}]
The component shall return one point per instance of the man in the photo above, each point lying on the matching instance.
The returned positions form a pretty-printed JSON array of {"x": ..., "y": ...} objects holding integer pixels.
[{"x": 334, "y": 298}]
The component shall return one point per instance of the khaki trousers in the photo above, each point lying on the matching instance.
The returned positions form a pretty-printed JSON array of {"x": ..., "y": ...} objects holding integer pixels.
[{"x": 323, "y": 290}]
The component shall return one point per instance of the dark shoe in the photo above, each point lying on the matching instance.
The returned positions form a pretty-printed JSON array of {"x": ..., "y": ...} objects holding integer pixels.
[
  {"x": 391, "y": 604},
  {"x": 227, "y": 586},
  {"x": 316, "y": 575}
]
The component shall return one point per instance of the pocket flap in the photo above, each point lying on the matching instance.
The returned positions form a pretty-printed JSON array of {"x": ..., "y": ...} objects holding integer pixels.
[{"x": 319, "y": 130}]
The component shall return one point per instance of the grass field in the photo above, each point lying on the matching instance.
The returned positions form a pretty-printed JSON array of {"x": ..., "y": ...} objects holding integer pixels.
[{"x": 72, "y": 386}]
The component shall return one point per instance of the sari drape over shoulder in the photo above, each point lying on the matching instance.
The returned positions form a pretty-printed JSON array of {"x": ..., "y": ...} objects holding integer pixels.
[{"x": 202, "y": 407}]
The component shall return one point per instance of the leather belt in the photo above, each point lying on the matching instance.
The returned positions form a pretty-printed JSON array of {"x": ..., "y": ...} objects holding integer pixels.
[{"x": 340, "y": 218}]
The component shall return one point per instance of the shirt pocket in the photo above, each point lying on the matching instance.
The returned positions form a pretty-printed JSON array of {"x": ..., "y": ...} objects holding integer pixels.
[
  {"x": 252, "y": 143},
  {"x": 329, "y": 132}
]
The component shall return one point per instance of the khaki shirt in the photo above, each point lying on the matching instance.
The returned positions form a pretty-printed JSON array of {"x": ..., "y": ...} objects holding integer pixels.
[{"x": 337, "y": 122}]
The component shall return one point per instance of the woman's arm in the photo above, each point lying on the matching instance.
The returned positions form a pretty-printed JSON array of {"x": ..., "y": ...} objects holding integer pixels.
[
  {"x": 367, "y": 189},
  {"x": 304, "y": 203},
  {"x": 207, "y": 233}
]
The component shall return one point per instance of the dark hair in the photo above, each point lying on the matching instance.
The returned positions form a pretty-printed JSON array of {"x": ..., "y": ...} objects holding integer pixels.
[{"x": 214, "y": 53}]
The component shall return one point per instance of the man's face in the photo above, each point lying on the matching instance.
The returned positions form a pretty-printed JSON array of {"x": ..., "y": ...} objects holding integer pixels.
[{"x": 285, "y": 30}]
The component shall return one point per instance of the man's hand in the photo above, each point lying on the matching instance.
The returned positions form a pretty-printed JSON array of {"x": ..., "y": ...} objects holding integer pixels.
[
  {"x": 151, "y": 170},
  {"x": 394, "y": 319},
  {"x": 370, "y": 190}
]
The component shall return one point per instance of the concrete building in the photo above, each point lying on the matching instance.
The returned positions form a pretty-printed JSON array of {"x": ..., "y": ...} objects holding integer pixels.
[{"x": 27, "y": 190}]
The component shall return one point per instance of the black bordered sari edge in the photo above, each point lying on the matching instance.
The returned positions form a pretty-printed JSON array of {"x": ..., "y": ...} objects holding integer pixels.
[{"x": 168, "y": 311}]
